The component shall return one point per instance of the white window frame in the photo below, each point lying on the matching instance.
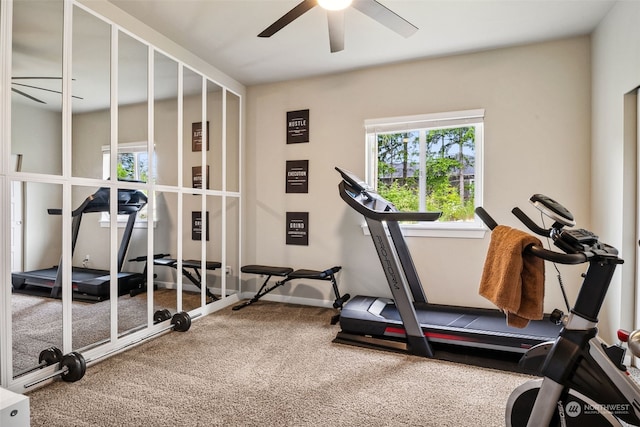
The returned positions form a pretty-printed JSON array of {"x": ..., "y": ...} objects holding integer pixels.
[
  {"x": 466, "y": 229},
  {"x": 126, "y": 147}
]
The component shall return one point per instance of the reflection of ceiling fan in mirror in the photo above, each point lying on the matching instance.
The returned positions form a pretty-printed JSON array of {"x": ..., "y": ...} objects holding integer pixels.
[
  {"x": 335, "y": 14},
  {"x": 31, "y": 86}
]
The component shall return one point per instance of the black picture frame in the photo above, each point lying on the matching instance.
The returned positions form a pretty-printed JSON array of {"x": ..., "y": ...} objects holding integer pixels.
[
  {"x": 297, "y": 228},
  {"x": 297, "y": 176},
  {"x": 297, "y": 126}
]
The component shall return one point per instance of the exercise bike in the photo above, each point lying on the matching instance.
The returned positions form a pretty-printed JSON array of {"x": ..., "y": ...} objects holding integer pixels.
[{"x": 583, "y": 381}]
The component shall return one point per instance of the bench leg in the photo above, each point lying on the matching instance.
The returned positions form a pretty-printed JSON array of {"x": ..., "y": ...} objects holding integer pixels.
[
  {"x": 339, "y": 301},
  {"x": 198, "y": 282},
  {"x": 261, "y": 292}
]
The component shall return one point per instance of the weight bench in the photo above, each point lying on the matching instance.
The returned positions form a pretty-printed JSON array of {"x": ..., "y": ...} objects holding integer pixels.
[
  {"x": 288, "y": 275},
  {"x": 195, "y": 265}
]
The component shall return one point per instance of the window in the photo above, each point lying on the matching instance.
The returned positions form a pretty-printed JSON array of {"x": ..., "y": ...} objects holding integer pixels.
[
  {"x": 430, "y": 162},
  {"x": 133, "y": 165}
]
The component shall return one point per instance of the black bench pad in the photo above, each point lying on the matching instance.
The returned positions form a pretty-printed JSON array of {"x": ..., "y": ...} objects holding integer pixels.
[
  {"x": 188, "y": 263},
  {"x": 266, "y": 270},
  {"x": 314, "y": 274}
]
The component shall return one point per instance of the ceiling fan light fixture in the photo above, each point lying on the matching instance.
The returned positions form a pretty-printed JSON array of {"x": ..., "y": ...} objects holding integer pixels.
[{"x": 334, "y": 4}]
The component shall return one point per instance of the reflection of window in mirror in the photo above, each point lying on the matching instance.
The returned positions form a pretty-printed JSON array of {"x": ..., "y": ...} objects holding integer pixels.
[{"x": 133, "y": 165}]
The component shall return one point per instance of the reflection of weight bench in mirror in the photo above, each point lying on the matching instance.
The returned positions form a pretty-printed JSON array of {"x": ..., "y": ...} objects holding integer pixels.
[
  {"x": 289, "y": 274},
  {"x": 195, "y": 265}
]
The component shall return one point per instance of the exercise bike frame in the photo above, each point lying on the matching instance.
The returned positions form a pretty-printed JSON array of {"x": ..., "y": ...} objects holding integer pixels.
[{"x": 577, "y": 362}]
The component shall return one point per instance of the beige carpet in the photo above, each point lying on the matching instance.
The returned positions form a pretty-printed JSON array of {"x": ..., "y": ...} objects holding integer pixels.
[
  {"x": 37, "y": 321},
  {"x": 272, "y": 365}
]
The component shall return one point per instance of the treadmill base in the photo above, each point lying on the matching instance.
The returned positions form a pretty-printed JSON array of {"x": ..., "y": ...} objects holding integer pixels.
[{"x": 485, "y": 358}]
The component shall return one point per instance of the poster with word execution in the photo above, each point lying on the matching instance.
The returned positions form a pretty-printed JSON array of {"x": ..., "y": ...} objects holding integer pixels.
[
  {"x": 298, "y": 228},
  {"x": 297, "y": 180},
  {"x": 196, "y": 177},
  {"x": 297, "y": 126}
]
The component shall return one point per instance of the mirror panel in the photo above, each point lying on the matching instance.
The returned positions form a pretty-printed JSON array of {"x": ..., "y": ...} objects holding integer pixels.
[
  {"x": 165, "y": 242},
  {"x": 133, "y": 165},
  {"x": 132, "y": 228},
  {"x": 91, "y": 310},
  {"x": 166, "y": 119},
  {"x": 214, "y": 248},
  {"x": 193, "y": 143},
  {"x": 233, "y": 142},
  {"x": 91, "y": 121},
  {"x": 36, "y": 84},
  {"x": 36, "y": 318},
  {"x": 192, "y": 234},
  {"x": 232, "y": 245},
  {"x": 214, "y": 157}
]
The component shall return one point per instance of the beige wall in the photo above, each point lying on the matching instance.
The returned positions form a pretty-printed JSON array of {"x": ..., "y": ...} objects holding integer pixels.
[
  {"x": 537, "y": 139},
  {"x": 616, "y": 72}
]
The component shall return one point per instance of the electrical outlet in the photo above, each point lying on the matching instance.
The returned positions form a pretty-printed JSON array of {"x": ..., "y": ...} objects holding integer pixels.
[{"x": 228, "y": 270}]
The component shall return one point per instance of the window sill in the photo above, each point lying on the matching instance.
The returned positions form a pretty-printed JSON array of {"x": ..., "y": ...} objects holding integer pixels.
[
  {"x": 122, "y": 224},
  {"x": 451, "y": 231}
]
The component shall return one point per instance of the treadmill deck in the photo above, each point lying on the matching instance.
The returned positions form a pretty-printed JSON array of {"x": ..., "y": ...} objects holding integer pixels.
[{"x": 460, "y": 326}]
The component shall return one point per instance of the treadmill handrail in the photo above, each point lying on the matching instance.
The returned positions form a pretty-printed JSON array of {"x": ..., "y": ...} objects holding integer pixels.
[{"x": 384, "y": 215}]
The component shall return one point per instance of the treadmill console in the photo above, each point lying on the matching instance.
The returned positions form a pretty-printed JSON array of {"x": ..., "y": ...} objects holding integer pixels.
[
  {"x": 553, "y": 209},
  {"x": 355, "y": 182}
]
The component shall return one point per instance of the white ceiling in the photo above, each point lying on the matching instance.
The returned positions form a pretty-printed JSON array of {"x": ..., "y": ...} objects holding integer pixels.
[{"x": 224, "y": 32}]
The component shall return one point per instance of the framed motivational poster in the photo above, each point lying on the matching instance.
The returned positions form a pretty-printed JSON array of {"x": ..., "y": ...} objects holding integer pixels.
[
  {"x": 196, "y": 177},
  {"x": 297, "y": 180},
  {"x": 298, "y": 228},
  {"x": 196, "y": 136},
  {"x": 196, "y": 226},
  {"x": 297, "y": 126}
]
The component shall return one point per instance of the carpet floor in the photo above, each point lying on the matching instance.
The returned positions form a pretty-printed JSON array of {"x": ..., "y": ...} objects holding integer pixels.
[{"x": 272, "y": 364}]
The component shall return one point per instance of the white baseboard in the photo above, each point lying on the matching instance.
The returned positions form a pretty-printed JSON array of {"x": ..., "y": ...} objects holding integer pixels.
[{"x": 288, "y": 299}]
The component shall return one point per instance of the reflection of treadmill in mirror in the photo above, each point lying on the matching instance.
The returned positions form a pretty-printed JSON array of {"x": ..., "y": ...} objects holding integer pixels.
[
  {"x": 409, "y": 323},
  {"x": 87, "y": 283}
]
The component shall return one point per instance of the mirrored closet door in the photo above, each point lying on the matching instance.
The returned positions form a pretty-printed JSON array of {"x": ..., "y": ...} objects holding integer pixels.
[{"x": 126, "y": 183}]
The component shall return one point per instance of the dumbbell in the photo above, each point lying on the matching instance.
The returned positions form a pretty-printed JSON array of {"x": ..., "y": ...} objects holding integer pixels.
[
  {"x": 180, "y": 322},
  {"x": 161, "y": 315},
  {"x": 47, "y": 357},
  {"x": 72, "y": 368}
]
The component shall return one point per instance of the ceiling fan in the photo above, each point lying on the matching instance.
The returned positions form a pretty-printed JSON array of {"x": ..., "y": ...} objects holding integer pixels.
[
  {"x": 33, "y": 98},
  {"x": 335, "y": 14}
]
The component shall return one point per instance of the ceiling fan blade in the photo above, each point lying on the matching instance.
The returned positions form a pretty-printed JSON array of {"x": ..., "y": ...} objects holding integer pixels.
[
  {"x": 27, "y": 95},
  {"x": 288, "y": 17},
  {"x": 336, "y": 30},
  {"x": 42, "y": 88},
  {"x": 385, "y": 16}
]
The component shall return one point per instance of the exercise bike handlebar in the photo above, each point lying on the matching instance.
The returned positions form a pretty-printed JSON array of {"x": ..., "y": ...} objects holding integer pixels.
[
  {"x": 538, "y": 251},
  {"x": 531, "y": 225}
]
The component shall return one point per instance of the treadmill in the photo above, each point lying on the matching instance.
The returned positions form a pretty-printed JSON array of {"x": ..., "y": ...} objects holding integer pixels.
[
  {"x": 408, "y": 322},
  {"x": 88, "y": 284}
]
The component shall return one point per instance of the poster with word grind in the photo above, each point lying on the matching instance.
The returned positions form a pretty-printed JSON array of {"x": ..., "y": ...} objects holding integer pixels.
[
  {"x": 196, "y": 136},
  {"x": 297, "y": 126},
  {"x": 297, "y": 180},
  {"x": 298, "y": 228},
  {"x": 196, "y": 225},
  {"x": 196, "y": 177}
]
